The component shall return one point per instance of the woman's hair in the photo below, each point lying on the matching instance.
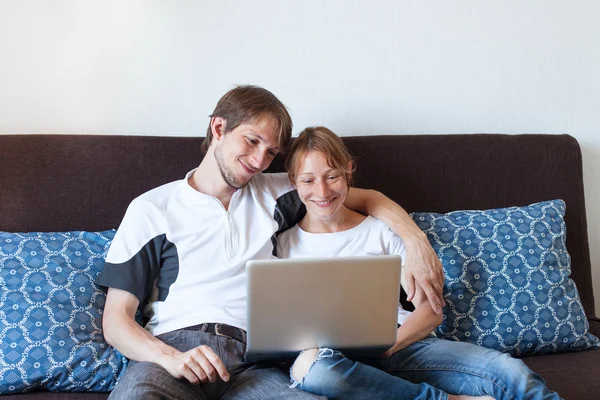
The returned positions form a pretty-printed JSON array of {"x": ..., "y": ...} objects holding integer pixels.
[{"x": 319, "y": 138}]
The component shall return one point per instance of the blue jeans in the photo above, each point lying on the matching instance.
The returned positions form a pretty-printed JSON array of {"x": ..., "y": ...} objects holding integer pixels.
[
  {"x": 428, "y": 369},
  {"x": 145, "y": 380}
]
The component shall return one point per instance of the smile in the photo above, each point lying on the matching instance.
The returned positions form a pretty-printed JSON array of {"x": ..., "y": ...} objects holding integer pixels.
[
  {"x": 323, "y": 203},
  {"x": 248, "y": 170}
]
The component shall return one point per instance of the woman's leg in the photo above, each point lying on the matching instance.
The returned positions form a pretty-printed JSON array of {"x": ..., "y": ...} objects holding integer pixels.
[
  {"x": 465, "y": 368},
  {"x": 328, "y": 373}
]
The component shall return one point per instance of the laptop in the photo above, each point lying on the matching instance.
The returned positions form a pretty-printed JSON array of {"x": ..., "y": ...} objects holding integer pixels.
[{"x": 349, "y": 304}]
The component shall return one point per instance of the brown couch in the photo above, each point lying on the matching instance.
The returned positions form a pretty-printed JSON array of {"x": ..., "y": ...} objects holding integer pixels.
[{"x": 68, "y": 182}]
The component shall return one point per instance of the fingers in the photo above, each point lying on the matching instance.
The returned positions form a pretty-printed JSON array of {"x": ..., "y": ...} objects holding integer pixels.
[
  {"x": 193, "y": 373},
  {"x": 409, "y": 282},
  {"x": 428, "y": 276},
  {"x": 216, "y": 363},
  {"x": 434, "y": 297},
  {"x": 202, "y": 365}
]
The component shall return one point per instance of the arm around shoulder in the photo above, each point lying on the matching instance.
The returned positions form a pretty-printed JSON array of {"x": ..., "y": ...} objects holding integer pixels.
[{"x": 421, "y": 264}]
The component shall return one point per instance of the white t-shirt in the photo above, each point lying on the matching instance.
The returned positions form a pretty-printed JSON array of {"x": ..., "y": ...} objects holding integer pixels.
[
  {"x": 184, "y": 256},
  {"x": 370, "y": 237}
]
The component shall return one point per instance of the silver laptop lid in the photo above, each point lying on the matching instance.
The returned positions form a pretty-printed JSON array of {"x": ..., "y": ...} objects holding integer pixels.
[{"x": 342, "y": 303}]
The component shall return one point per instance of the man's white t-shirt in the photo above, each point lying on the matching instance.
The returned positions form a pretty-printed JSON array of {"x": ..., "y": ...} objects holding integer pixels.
[
  {"x": 184, "y": 256},
  {"x": 370, "y": 237}
]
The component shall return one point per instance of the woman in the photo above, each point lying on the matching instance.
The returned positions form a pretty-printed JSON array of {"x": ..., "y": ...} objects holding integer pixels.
[{"x": 418, "y": 365}]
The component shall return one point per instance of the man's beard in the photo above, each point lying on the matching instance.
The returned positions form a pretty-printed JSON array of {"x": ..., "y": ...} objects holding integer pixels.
[{"x": 227, "y": 173}]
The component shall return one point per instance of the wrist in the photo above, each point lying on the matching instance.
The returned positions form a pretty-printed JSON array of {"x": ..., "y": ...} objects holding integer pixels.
[{"x": 166, "y": 355}]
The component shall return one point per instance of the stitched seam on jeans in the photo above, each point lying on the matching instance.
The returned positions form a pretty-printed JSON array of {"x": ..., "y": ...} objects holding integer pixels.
[{"x": 452, "y": 370}]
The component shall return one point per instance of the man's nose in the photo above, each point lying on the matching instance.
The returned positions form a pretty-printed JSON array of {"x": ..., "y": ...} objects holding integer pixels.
[{"x": 260, "y": 160}]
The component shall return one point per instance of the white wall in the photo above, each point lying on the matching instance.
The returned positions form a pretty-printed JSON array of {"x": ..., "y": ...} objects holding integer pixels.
[{"x": 359, "y": 67}]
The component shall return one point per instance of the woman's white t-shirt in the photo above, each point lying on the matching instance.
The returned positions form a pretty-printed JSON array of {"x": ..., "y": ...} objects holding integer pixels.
[{"x": 370, "y": 237}]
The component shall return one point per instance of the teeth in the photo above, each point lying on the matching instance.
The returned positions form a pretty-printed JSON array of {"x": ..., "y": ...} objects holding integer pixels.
[{"x": 322, "y": 203}]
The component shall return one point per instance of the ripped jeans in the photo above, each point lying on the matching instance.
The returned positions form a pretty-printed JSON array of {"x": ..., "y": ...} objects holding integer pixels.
[{"x": 428, "y": 369}]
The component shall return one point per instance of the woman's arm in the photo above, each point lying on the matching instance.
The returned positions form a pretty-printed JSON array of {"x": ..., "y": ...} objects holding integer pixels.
[
  {"x": 421, "y": 264},
  {"x": 419, "y": 324}
]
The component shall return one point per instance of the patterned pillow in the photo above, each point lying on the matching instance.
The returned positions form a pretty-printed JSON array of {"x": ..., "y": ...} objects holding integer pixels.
[
  {"x": 507, "y": 279},
  {"x": 51, "y": 313}
]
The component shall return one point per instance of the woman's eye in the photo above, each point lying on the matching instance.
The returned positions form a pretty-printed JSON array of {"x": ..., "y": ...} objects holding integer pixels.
[
  {"x": 272, "y": 153},
  {"x": 252, "y": 141}
]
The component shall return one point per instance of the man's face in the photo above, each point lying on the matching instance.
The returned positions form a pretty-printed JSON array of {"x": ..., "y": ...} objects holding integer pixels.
[{"x": 246, "y": 151}]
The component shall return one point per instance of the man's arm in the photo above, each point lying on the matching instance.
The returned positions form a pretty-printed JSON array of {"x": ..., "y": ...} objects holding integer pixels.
[
  {"x": 199, "y": 365},
  {"x": 421, "y": 264}
]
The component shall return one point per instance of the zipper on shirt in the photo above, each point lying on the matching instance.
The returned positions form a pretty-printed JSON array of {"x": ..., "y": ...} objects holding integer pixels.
[{"x": 231, "y": 242}]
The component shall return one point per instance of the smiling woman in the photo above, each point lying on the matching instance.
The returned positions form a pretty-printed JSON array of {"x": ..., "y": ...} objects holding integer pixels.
[{"x": 321, "y": 169}]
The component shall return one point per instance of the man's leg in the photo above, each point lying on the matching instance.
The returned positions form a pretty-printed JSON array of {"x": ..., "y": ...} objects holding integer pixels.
[
  {"x": 150, "y": 381},
  {"x": 146, "y": 380},
  {"x": 464, "y": 368},
  {"x": 264, "y": 382}
]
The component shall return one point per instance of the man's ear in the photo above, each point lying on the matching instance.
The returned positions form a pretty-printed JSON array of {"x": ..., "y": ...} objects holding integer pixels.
[{"x": 217, "y": 127}]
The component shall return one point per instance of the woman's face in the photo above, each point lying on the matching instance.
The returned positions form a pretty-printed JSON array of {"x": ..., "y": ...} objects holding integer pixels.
[{"x": 321, "y": 188}]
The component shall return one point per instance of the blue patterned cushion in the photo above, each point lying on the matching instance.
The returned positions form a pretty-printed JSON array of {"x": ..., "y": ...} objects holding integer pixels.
[
  {"x": 507, "y": 279},
  {"x": 51, "y": 313}
]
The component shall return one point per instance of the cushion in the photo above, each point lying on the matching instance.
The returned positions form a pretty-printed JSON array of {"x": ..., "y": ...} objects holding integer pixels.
[
  {"x": 51, "y": 313},
  {"x": 507, "y": 279}
]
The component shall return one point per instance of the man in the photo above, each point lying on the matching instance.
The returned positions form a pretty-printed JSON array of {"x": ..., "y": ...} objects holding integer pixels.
[{"x": 180, "y": 254}]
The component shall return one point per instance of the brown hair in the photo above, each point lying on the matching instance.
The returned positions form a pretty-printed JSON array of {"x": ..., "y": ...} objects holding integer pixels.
[
  {"x": 319, "y": 138},
  {"x": 247, "y": 103}
]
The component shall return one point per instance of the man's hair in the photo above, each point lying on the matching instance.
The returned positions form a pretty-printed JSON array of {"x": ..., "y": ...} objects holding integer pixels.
[
  {"x": 319, "y": 138},
  {"x": 246, "y": 104}
]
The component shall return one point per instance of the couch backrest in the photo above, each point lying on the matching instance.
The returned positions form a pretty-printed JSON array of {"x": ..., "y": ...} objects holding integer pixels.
[{"x": 85, "y": 182}]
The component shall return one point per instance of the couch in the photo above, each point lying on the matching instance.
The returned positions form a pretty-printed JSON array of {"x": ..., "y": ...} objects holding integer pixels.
[{"x": 85, "y": 182}]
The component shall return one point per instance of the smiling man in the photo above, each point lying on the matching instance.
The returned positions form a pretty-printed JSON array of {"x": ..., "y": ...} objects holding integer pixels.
[{"x": 180, "y": 252}]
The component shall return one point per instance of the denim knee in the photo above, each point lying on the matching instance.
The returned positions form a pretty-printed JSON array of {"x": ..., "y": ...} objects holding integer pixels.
[{"x": 323, "y": 355}]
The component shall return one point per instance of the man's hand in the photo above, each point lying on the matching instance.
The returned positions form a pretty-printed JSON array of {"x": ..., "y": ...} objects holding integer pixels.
[
  {"x": 198, "y": 365},
  {"x": 423, "y": 265}
]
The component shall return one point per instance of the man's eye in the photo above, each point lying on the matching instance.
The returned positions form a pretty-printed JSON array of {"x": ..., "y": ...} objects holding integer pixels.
[
  {"x": 307, "y": 181},
  {"x": 252, "y": 141},
  {"x": 332, "y": 177}
]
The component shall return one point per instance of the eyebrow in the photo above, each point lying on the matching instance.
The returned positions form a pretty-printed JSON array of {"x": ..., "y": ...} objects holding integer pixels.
[{"x": 326, "y": 172}]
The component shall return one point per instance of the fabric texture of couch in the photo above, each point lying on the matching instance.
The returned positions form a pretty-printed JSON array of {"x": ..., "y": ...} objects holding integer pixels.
[{"x": 54, "y": 183}]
